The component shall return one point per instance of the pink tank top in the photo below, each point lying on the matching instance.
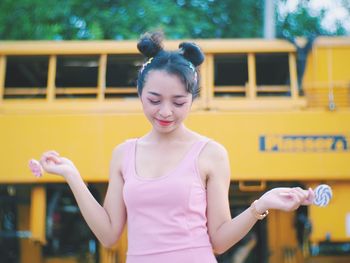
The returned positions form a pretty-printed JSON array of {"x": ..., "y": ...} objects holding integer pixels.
[{"x": 166, "y": 213}]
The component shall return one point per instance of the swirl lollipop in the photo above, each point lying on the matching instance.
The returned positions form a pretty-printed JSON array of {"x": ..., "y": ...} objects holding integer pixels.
[
  {"x": 36, "y": 168},
  {"x": 323, "y": 195}
]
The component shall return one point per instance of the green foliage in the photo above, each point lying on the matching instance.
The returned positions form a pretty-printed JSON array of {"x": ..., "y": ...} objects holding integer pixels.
[
  {"x": 304, "y": 22},
  {"x": 127, "y": 19},
  {"x": 32, "y": 19}
]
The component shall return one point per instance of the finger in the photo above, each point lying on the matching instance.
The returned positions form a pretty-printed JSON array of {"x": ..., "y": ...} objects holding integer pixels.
[
  {"x": 311, "y": 197},
  {"x": 295, "y": 201},
  {"x": 48, "y": 157},
  {"x": 301, "y": 194},
  {"x": 53, "y": 152},
  {"x": 294, "y": 192},
  {"x": 35, "y": 167},
  {"x": 292, "y": 199},
  {"x": 286, "y": 194}
]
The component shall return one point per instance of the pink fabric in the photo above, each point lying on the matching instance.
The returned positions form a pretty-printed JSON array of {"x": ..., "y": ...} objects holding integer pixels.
[
  {"x": 190, "y": 255},
  {"x": 166, "y": 215}
]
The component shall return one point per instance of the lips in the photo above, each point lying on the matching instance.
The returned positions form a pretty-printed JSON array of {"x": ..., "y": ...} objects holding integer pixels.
[{"x": 164, "y": 123}]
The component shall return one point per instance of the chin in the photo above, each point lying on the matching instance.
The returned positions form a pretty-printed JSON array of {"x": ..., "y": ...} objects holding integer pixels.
[
  {"x": 165, "y": 130},
  {"x": 162, "y": 129}
]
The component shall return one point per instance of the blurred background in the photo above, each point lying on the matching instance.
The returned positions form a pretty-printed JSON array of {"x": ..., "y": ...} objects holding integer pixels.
[
  {"x": 275, "y": 91},
  {"x": 127, "y": 19}
]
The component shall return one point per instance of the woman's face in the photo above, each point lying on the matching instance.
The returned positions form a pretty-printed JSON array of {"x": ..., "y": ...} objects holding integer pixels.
[{"x": 165, "y": 101}]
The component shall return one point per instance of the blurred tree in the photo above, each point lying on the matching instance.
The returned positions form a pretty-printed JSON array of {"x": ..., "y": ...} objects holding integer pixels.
[
  {"x": 127, "y": 19},
  {"x": 32, "y": 19},
  {"x": 304, "y": 21}
]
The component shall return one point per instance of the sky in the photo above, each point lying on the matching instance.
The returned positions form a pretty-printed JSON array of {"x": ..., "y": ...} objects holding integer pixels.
[{"x": 337, "y": 11}]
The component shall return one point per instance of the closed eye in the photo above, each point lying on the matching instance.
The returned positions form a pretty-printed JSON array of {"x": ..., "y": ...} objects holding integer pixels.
[
  {"x": 154, "y": 102},
  {"x": 179, "y": 104}
]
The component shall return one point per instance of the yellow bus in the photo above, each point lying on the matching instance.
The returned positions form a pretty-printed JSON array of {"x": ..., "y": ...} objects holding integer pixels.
[{"x": 79, "y": 98}]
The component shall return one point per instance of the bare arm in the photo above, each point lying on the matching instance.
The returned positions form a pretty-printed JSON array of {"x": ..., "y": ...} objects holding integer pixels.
[
  {"x": 224, "y": 232},
  {"x": 107, "y": 221}
]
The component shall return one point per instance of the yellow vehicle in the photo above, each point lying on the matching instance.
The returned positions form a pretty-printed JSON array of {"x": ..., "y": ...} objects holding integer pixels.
[{"x": 79, "y": 98}]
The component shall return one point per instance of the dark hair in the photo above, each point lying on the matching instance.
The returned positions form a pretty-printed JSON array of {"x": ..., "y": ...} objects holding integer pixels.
[{"x": 182, "y": 63}]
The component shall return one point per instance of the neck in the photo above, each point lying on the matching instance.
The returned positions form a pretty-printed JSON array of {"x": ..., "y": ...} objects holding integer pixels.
[{"x": 180, "y": 134}]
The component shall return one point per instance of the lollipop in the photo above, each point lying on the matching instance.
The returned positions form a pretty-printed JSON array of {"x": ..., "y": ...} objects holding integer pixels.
[
  {"x": 323, "y": 195},
  {"x": 36, "y": 168}
]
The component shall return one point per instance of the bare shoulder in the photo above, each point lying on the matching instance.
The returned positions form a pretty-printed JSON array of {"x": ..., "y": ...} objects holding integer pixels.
[
  {"x": 214, "y": 151},
  {"x": 117, "y": 158},
  {"x": 213, "y": 158},
  {"x": 119, "y": 150}
]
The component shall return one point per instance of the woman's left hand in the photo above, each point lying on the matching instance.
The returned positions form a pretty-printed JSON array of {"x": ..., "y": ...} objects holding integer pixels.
[{"x": 286, "y": 199}]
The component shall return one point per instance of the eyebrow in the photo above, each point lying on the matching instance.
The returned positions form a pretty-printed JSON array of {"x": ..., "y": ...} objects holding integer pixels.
[{"x": 158, "y": 95}]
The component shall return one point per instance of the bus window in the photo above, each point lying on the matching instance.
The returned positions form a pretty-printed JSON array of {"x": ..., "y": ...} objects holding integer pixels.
[
  {"x": 14, "y": 221},
  {"x": 121, "y": 75},
  {"x": 272, "y": 74},
  {"x": 231, "y": 75},
  {"x": 9, "y": 246},
  {"x": 76, "y": 76},
  {"x": 67, "y": 233},
  {"x": 26, "y": 76}
]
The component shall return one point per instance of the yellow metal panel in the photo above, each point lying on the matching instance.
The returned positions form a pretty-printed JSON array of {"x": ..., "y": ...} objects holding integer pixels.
[
  {"x": 330, "y": 71},
  {"x": 251, "y": 76},
  {"x": 321, "y": 72},
  {"x": 310, "y": 67},
  {"x": 50, "y": 96},
  {"x": 240, "y": 133},
  {"x": 293, "y": 75},
  {"x": 71, "y": 135},
  {"x": 129, "y": 47},
  {"x": 341, "y": 64},
  {"x": 329, "y": 223},
  {"x": 102, "y": 77},
  {"x": 88, "y": 139},
  {"x": 65, "y": 259},
  {"x": 251, "y": 105},
  {"x": 329, "y": 259},
  {"x": 38, "y": 214},
  {"x": 332, "y": 41},
  {"x": 108, "y": 255},
  {"x": 67, "y": 47},
  {"x": 122, "y": 246},
  {"x": 283, "y": 245},
  {"x": 327, "y": 77},
  {"x": 67, "y": 106},
  {"x": 316, "y": 68},
  {"x": 209, "y": 78},
  {"x": 29, "y": 251}
]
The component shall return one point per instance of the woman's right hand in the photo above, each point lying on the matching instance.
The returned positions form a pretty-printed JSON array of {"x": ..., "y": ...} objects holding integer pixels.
[{"x": 53, "y": 163}]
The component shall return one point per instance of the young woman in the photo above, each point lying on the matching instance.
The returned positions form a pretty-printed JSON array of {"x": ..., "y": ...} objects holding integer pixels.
[{"x": 171, "y": 185}]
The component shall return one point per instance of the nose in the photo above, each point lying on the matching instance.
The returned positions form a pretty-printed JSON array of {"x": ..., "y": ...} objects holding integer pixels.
[{"x": 165, "y": 111}]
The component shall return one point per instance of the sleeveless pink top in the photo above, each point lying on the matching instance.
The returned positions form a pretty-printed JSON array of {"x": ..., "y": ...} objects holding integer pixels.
[{"x": 166, "y": 213}]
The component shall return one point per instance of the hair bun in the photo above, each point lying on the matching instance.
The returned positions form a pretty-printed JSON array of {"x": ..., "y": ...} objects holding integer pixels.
[
  {"x": 192, "y": 52},
  {"x": 150, "y": 44}
]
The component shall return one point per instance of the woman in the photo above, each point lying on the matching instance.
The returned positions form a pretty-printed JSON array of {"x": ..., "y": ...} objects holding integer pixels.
[{"x": 171, "y": 185}]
